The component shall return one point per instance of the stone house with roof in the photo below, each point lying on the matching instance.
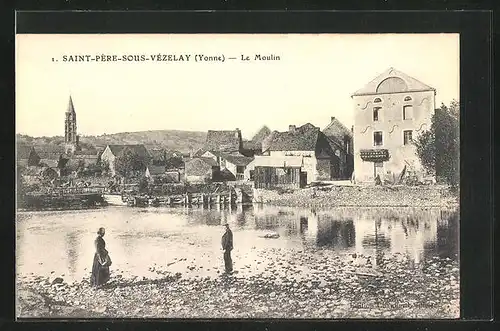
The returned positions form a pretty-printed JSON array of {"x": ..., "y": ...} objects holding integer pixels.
[
  {"x": 307, "y": 142},
  {"x": 227, "y": 150},
  {"x": 389, "y": 113},
  {"x": 341, "y": 141},
  {"x": 234, "y": 166},
  {"x": 111, "y": 152}
]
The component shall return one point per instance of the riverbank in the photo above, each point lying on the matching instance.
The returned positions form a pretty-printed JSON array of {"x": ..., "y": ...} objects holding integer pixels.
[
  {"x": 362, "y": 196},
  {"x": 315, "y": 285}
]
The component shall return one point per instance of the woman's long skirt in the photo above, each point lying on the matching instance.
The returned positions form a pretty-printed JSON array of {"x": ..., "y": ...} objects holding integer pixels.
[{"x": 100, "y": 274}]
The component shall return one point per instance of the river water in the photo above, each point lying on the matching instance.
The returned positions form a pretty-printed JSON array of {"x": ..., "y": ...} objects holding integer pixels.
[{"x": 140, "y": 240}]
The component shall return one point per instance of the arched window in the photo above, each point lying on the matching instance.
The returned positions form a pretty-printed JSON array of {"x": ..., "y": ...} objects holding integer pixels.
[
  {"x": 408, "y": 98},
  {"x": 377, "y": 100}
]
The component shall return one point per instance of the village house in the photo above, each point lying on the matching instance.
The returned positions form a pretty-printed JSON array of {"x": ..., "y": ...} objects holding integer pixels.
[
  {"x": 341, "y": 141},
  {"x": 111, "y": 152},
  {"x": 319, "y": 162},
  {"x": 226, "y": 149},
  {"x": 235, "y": 166},
  {"x": 389, "y": 113},
  {"x": 200, "y": 170}
]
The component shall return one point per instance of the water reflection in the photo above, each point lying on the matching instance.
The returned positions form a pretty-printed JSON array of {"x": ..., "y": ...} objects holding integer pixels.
[
  {"x": 335, "y": 233},
  {"x": 72, "y": 247},
  {"x": 140, "y": 237}
]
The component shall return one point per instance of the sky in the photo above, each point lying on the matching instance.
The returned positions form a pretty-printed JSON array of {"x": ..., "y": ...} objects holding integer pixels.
[{"x": 313, "y": 80}]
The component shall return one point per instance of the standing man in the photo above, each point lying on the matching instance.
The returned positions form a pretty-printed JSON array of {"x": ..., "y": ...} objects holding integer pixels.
[{"x": 227, "y": 246}]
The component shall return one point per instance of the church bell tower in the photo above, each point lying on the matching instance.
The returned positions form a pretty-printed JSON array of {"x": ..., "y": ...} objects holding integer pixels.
[{"x": 71, "y": 138}]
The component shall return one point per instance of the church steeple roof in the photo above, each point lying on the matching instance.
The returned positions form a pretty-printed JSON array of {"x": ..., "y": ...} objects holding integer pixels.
[{"x": 71, "y": 108}]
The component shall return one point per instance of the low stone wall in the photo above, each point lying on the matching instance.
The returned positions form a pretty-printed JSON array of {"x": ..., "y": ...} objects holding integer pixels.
[{"x": 366, "y": 196}]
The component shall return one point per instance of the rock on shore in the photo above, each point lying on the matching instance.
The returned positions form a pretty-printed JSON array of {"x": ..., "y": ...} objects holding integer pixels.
[{"x": 331, "y": 287}]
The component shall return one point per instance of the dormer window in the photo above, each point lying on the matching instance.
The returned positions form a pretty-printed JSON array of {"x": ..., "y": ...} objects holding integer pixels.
[
  {"x": 408, "y": 98},
  {"x": 377, "y": 100}
]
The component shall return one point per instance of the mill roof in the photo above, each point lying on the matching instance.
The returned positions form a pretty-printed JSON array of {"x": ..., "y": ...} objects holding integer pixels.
[
  {"x": 393, "y": 81},
  {"x": 303, "y": 138}
]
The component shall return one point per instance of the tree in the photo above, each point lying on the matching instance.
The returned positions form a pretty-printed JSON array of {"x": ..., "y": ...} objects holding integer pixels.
[
  {"x": 438, "y": 148},
  {"x": 128, "y": 162}
]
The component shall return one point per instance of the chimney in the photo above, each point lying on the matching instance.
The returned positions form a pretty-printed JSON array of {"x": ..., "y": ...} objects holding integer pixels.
[
  {"x": 237, "y": 133},
  {"x": 332, "y": 118},
  {"x": 352, "y": 129},
  {"x": 291, "y": 128}
]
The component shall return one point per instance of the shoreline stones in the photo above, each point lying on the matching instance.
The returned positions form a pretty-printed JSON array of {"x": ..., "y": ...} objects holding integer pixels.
[{"x": 283, "y": 291}]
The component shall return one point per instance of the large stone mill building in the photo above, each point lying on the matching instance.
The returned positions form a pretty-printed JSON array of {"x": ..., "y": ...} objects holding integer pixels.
[{"x": 389, "y": 113}]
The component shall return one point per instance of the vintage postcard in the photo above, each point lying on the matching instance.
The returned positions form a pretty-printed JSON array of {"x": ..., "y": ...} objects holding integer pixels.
[{"x": 237, "y": 176}]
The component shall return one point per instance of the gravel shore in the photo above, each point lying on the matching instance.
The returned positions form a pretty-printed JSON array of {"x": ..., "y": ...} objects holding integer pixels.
[
  {"x": 362, "y": 196},
  {"x": 349, "y": 286}
]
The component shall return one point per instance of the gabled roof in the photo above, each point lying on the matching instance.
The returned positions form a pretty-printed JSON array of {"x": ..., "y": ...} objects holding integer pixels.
[
  {"x": 261, "y": 134},
  {"x": 199, "y": 166},
  {"x": 227, "y": 141},
  {"x": 393, "y": 81},
  {"x": 138, "y": 149},
  {"x": 337, "y": 130},
  {"x": 303, "y": 138},
  {"x": 156, "y": 170}
]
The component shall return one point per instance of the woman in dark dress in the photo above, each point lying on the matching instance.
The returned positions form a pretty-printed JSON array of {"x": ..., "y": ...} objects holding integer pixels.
[{"x": 100, "y": 267}]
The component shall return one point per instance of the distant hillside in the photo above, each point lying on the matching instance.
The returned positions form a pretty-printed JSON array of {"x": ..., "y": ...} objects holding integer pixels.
[{"x": 183, "y": 141}]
